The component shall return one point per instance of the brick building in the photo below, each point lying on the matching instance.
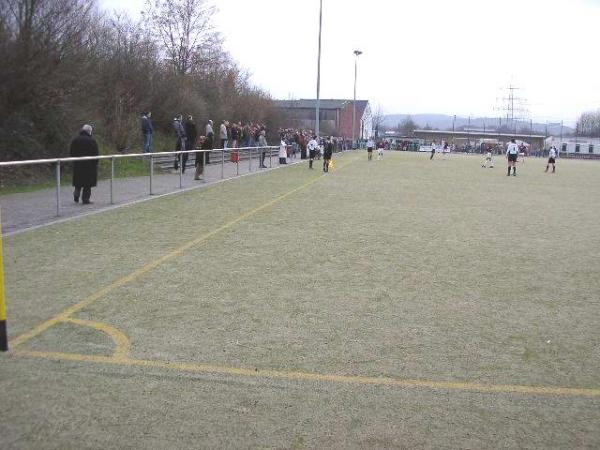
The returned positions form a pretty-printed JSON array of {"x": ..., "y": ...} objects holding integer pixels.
[{"x": 335, "y": 116}]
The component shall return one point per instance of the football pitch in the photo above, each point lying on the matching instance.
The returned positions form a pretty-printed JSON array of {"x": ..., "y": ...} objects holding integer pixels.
[{"x": 402, "y": 303}]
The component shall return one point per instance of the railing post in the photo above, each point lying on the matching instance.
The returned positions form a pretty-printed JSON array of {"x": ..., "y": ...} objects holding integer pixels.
[
  {"x": 112, "y": 179},
  {"x": 180, "y": 158},
  {"x": 58, "y": 188},
  {"x": 250, "y": 159},
  {"x": 151, "y": 172},
  {"x": 3, "y": 333},
  {"x": 222, "y": 163},
  {"x": 237, "y": 163},
  {"x": 270, "y": 158}
]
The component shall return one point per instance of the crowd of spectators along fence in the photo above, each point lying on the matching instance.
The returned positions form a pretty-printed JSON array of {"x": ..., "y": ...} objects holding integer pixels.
[
  {"x": 297, "y": 141},
  {"x": 232, "y": 135},
  {"x": 192, "y": 136}
]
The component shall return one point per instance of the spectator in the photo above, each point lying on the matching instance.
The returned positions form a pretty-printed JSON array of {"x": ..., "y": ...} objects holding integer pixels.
[
  {"x": 295, "y": 144},
  {"x": 180, "y": 144},
  {"x": 209, "y": 128},
  {"x": 200, "y": 158},
  {"x": 147, "y": 130},
  {"x": 223, "y": 134},
  {"x": 282, "y": 151},
  {"x": 235, "y": 135},
  {"x": 262, "y": 142},
  {"x": 191, "y": 134},
  {"x": 246, "y": 135},
  {"x": 302, "y": 142},
  {"x": 85, "y": 173},
  {"x": 327, "y": 155},
  {"x": 256, "y": 135},
  {"x": 210, "y": 137}
]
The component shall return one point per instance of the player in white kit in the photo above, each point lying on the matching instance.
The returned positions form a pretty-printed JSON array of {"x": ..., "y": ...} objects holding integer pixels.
[
  {"x": 488, "y": 161},
  {"x": 512, "y": 153},
  {"x": 380, "y": 151},
  {"x": 552, "y": 159}
]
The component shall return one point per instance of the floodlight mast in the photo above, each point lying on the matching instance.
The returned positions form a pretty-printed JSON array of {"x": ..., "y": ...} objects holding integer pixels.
[
  {"x": 318, "y": 113},
  {"x": 357, "y": 53}
]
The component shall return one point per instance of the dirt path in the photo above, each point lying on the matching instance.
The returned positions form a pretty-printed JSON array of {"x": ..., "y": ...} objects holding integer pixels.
[{"x": 31, "y": 209}]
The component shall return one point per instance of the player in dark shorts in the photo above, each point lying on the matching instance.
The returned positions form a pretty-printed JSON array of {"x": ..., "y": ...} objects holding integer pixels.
[
  {"x": 370, "y": 147},
  {"x": 512, "y": 153},
  {"x": 551, "y": 160},
  {"x": 312, "y": 147}
]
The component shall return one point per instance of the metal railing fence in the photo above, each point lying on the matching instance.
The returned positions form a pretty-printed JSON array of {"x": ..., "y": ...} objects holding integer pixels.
[{"x": 243, "y": 153}]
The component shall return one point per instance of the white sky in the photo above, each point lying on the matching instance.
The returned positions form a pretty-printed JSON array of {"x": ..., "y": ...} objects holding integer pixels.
[{"x": 420, "y": 56}]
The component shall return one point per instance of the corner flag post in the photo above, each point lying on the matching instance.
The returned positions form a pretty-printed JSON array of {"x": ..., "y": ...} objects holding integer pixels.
[{"x": 3, "y": 333}]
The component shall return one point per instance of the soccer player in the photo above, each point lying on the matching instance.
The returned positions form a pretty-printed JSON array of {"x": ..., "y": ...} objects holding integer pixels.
[
  {"x": 446, "y": 150},
  {"x": 370, "y": 146},
  {"x": 552, "y": 159},
  {"x": 522, "y": 152},
  {"x": 512, "y": 153},
  {"x": 432, "y": 150},
  {"x": 312, "y": 147},
  {"x": 488, "y": 160},
  {"x": 380, "y": 148}
]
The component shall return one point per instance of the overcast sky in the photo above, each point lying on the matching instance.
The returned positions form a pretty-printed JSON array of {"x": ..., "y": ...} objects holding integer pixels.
[{"x": 421, "y": 56}]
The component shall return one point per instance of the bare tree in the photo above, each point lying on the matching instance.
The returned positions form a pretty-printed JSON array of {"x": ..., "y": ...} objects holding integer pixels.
[
  {"x": 64, "y": 63},
  {"x": 42, "y": 53},
  {"x": 378, "y": 120},
  {"x": 407, "y": 126},
  {"x": 588, "y": 124},
  {"x": 185, "y": 30}
]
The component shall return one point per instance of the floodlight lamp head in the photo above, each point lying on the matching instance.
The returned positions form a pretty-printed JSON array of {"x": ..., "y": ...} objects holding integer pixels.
[{"x": 357, "y": 52}]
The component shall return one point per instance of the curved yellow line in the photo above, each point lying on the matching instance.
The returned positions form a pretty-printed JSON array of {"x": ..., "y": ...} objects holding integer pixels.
[{"x": 120, "y": 339}]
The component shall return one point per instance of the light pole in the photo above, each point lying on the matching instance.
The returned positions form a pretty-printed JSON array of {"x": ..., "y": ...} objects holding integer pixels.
[
  {"x": 453, "y": 129},
  {"x": 357, "y": 53},
  {"x": 561, "y": 137},
  {"x": 318, "y": 113}
]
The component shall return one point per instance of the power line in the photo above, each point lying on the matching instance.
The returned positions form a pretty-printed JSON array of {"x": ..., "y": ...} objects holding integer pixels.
[{"x": 514, "y": 107}]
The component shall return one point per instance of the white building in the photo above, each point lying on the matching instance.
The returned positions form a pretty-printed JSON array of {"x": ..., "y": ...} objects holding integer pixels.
[{"x": 573, "y": 146}]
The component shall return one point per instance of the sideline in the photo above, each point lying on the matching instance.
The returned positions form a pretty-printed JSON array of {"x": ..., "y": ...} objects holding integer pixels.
[
  {"x": 65, "y": 314},
  {"x": 551, "y": 391}
]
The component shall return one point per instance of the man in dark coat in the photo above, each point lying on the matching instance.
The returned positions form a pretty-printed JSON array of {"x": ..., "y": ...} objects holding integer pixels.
[
  {"x": 200, "y": 157},
  {"x": 191, "y": 135},
  {"x": 147, "y": 130},
  {"x": 327, "y": 155},
  {"x": 181, "y": 139},
  {"x": 85, "y": 173},
  {"x": 209, "y": 143}
]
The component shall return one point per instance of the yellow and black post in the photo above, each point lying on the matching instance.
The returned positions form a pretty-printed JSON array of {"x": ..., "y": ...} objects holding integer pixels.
[{"x": 3, "y": 333}]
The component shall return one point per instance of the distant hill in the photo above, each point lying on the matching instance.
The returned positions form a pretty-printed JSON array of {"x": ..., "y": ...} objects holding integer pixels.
[{"x": 444, "y": 122}]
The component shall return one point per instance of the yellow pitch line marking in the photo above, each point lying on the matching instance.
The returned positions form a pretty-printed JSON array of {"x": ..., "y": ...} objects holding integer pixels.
[
  {"x": 121, "y": 341},
  {"x": 555, "y": 391},
  {"x": 63, "y": 316}
]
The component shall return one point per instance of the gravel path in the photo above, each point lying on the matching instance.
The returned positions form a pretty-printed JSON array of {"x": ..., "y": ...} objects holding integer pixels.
[{"x": 32, "y": 209}]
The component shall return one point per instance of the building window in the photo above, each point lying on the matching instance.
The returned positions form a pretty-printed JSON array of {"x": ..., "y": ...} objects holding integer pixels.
[
  {"x": 328, "y": 114},
  {"x": 564, "y": 148},
  {"x": 591, "y": 148},
  {"x": 577, "y": 148}
]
